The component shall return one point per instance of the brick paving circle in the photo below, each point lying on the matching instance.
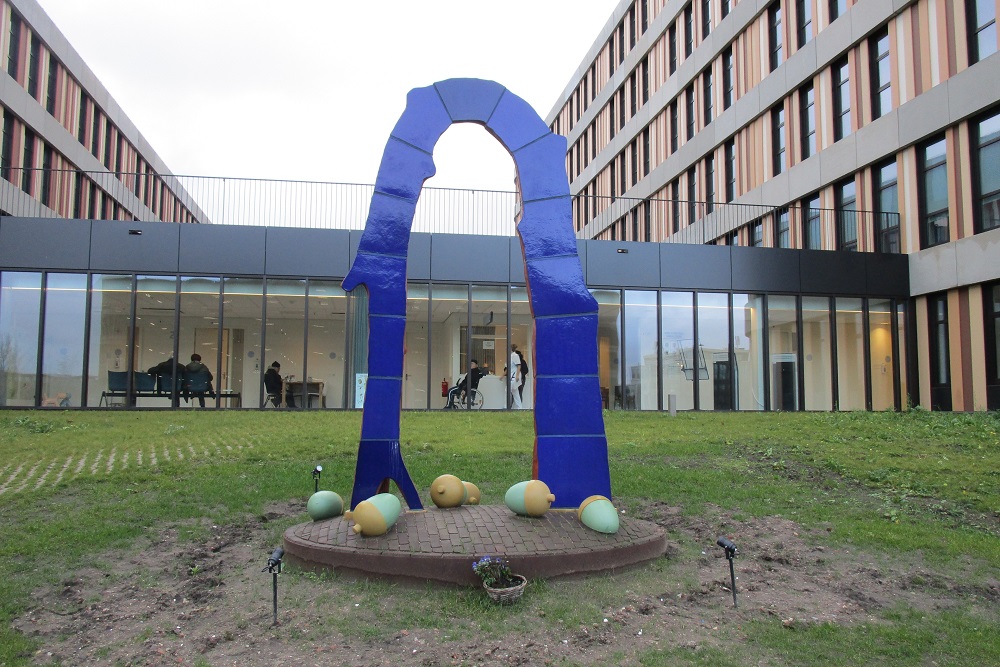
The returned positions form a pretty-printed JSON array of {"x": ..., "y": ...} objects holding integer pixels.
[{"x": 441, "y": 544}]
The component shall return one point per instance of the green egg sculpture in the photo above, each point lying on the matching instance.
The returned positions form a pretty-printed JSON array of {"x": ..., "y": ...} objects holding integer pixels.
[
  {"x": 597, "y": 513},
  {"x": 324, "y": 505},
  {"x": 530, "y": 498}
]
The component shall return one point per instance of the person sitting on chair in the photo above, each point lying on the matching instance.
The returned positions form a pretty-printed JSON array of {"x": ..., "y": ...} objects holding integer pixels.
[
  {"x": 459, "y": 389},
  {"x": 273, "y": 385},
  {"x": 193, "y": 368}
]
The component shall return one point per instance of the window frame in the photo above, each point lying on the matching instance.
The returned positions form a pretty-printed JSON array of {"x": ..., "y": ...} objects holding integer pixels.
[
  {"x": 880, "y": 106},
  {"x": 841, "y": 112},
  {"x": 927, "y": 217},
  {"x": 775, "y": 38},
  {"x": 978, "y": 196}
]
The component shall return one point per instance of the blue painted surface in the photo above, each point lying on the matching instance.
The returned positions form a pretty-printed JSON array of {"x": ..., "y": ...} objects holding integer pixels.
[{"x": 571, "y": 452}]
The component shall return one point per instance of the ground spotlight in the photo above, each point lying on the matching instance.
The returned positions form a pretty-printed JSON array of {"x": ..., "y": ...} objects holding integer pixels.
[
  {"x": 731, "y": 552},
  {"x": 317, "y": 471},
  {"x": 274, "y": 567}
]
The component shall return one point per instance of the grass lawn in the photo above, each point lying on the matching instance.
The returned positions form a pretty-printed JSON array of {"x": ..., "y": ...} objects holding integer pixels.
[{"x": 77, "y": 486}]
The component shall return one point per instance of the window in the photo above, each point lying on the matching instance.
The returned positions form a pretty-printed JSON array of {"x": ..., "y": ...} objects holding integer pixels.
[
  {"x": 803, "y": 21},
  {"x": 647, "y": 223},
  {"x": 881, "y": 74},
  {"x": 107, "y": 143},
  {"x": 644, "y": 14},
  {"x": 614, "y": 178},
  {"x": 986, "y": 162},
  {"x": 672, "y": 47},
  {"x": 633, "y": 92},
  {"x": 95, "y": 133},
  {"x": 688, "y": 32},
  {"x": 674, "y": 130},
  {"x": 675, "y": 196},
  {"x": 837, "y": 9},
  {"x": 937, "y": 320},
  {"x": 689, "y": 112},
  {"x": 621, "y": 108},
  {"x": 807, "y": 120},
  {"x": 611, "y": 55},
  {"x": 727, "y": 77},
  {"x": 631, "y": 26},
  {"x": 845, "y": 202},
  {"x": 50, "y": 89},
  {"x": 778, "y": 139},
  {"x": 635, "y": 161},
  {"x": 841, "y": 100},
  {"x": 34, "y": 55},
  {"x": 645, "y": 80},
  {"x": 709, "y": 183},
  {"x": 612, "y": 126},
  {"x": 934, "y": 227},
  {"x": 706, "y": 18},
  {"x": 812, "y": 232},
  {"x": 47, "y": 176},
  {"x": 706, "y": 88},
  {"x": 730, "y": 170},
  {"x": 81, "y": 122},
  {"x": 692, "y": 181},
  {"x": 621, "y": 42},
  {"x": 886, "y": 206},
  {"x": 645, "y": 152},
  {"x": 757, "y": 233},
  {"x": 782, "y": 229},
  {"x": 774, "y": 34},
  {"x": 14, "y": 45},
  {"x": 6, "y": 152},
  {"x": 982, "y": 29},
  {"x": 724, "y": 10},
  {"x": 732, "y": 238},
  {"x": 28, "y": 164}
]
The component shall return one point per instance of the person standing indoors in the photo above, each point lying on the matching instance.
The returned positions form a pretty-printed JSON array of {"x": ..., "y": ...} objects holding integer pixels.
[
  {"x": 524, "y": 374},
  {"x": 514, "y": 370}
]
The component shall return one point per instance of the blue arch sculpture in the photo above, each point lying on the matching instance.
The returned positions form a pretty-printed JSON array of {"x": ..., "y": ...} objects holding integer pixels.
[{"x": 570, "y": 448}]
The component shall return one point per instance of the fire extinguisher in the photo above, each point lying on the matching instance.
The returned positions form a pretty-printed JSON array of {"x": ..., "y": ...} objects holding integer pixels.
[{"x": 444, "y": 387}]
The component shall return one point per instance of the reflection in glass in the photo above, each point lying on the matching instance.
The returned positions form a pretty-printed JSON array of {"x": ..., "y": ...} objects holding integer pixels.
[
  {"x": 816, "y": 359},
  {"x": 748, "y": 351},
  {"x": 155, "y": 301},
  {"x": 284, "y": 335},
  {"x": 491, "y": 349},
  {"x": 199, "y": 330},
  {"x": 783, "y": 347},
  {"x": 880, "y": 346},
  {"x": 714, "y": 368},
  {"x": 62, "y": 349},
  {"x": 609, "y": 346},
  {"x": 449, "y": 319},
  {"x": 901, "y": 354},
  {"x": 522, "y": 334},
  {"x": 325, "y": 361},
  {"x": 242, "y": 305},
  {"x": 415, "y": 359},
  {"x": 850, "y": 355},
  {"x": 640, "y": 350},
  {"x": 20, "y": 299},
  {"x": 677, "y": 343},
  {"x": 110, "y": 320}
]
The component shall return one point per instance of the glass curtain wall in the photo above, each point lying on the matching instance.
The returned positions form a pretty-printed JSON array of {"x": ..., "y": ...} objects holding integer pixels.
[
  {"x": 327, "y": 305},
  {"x": 242, "y": 307},
  {"x": 901, "y": 357},
  {"x": 199, "y": 329},
  {"x": 62, "y": 348},
  {"x": 284, "y": 336},
  {"x": 522, "y": 333},
  {"x": 677, "y": 343},
  {"x": 712, "y": 365},
  {"x": 416, "y": 359},
  {"x": 155, "y": 313},
  {"x": 748, "y": 351},
  {"x": 609, "y": 346},
  {"x": 880, "y": 346},
  {"x": 783, "y": 351},
  {"x": 817, "y": 362},
  {"x": 449, "y": 320},
  {"x": 20, "y": 300},
  {"x": 850, "y": 355},
  {"x": 641, "y": 372},
  {"x": 491, "y": 347},
  {"x": 110, "y": 322}
]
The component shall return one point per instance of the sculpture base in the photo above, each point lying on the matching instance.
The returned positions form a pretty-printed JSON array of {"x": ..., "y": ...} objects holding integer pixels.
[{"x": 441, "y": 544}]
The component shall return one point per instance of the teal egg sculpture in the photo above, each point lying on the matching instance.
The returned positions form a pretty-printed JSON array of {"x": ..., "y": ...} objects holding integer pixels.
[
  {"x": 324, "y": 505},
  {"x": 597, "y": 513},
  {"x": 530, "y": 498}
]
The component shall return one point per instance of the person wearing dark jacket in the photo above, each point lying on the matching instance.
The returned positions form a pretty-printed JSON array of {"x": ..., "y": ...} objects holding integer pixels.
[
  {"x": 273, "y": 385},
  {"x": 476, "y": 373},
  {"x": 197, "y": 367}
]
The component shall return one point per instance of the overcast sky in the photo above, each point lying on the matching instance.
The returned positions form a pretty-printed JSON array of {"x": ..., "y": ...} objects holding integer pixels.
[{"x": 310, "y": 89}]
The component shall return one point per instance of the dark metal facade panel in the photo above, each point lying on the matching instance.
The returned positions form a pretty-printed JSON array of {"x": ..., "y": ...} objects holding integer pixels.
[
  {"x": 418, "y": 257},
  {"x": 142, "y": 247},
  {"x": 54, "y": 244},
  {"x": 221, "y": 249},
  {"x": 516, "y": 261},
  {"x": 765, "y": 270},
  {"x": 888, "y": 275},
  {"x": 826, "y": 272},
  {"x": 470, "y": 258},
  {"x": 702, "y": 267},
  {"x": 320, "y": 253},
  {"x": 624, "y": 263}
]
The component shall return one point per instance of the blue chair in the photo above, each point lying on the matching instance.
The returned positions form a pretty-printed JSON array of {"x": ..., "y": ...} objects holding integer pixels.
[
  {"x": 167, "y": 384},
  {"x": 117, "y": 384},
  {"x": 199, "y": 385},
  {"x": 143, "y": 383}
]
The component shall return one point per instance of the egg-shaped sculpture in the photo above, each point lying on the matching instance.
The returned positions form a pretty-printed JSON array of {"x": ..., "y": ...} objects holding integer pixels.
[
  {"x": 324, "y": 505},
  {"x": 472, "y": 494},
  {"x": 376, "y": 515},
  {"x": 448, "y": 491},
  {"x": 597, "y": 513},
  {"x": 530, "y": 498}
]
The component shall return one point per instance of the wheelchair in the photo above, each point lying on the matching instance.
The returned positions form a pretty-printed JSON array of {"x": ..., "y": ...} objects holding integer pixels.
[{"x": 462, "y": 402}]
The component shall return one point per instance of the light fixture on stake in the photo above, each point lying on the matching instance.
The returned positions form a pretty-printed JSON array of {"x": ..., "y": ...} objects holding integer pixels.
[
  {"x": 317, "y": 471},
  {"x": 274, "y": 567},
  {"x": 731, "y": 552}
]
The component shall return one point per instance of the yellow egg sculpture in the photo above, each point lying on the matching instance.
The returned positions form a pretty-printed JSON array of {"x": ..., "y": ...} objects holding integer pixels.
[
  {"x": 597, "y": 513},
  {"x": 531, "y": 498},
  {"x": 448, "y": 491},
  {"x": 376, "y": 515},
  {"x": 472, "y": 494}
]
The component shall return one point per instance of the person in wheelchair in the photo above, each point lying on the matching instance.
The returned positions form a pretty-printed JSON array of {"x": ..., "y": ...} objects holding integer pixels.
[{"x": 457, "y": 393}]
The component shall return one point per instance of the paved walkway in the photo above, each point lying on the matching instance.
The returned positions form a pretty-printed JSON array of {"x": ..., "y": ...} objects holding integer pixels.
[{"x": 441, "y": 544}]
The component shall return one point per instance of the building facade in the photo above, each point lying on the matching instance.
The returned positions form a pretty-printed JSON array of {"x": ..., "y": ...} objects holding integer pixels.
[{"x": 867, "y": 126}]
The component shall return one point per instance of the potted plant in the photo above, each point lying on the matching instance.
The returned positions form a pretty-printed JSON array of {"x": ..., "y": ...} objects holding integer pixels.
[{"x": 503, "y": 586}]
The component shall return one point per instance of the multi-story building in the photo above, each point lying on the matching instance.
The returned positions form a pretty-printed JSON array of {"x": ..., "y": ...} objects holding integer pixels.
[
  {"x": 67, "y": 149},
  {"x": 840, "y": 125}
]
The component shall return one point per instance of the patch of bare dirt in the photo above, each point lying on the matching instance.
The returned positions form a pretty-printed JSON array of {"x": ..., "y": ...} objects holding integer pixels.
[{"x": 208, "y": 603}]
